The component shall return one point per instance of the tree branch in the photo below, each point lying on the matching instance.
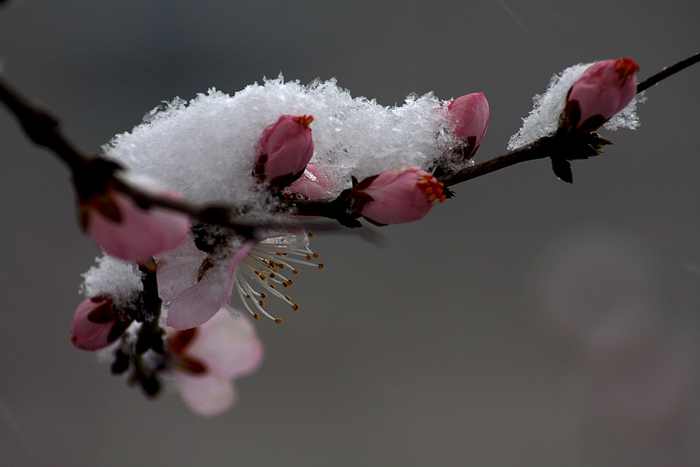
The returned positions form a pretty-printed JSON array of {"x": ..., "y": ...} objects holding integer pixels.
[
  {"x": 666, "y": 72},
  {"x": 43, "y": 129}
]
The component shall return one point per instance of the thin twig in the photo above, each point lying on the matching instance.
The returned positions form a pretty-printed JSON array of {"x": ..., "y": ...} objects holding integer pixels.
[
  {"x": 528, "y": 153},
  {"x": 40, "y": 126},
  {"x": 666, "y": 72}
]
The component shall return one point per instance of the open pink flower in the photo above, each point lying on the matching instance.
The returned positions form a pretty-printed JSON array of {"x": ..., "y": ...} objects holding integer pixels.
[
  {"x": 128, "y": 232},
  {"x": 284, "y": 150},
  {"x": 96, "y": 324},
  {"x": 603, "y": 90},
  {"x": 395, "y": 196},
  {"x": 194, "y": 286},
  {"x": 469, "y": 116},
  {"x": 211, "y": 356}
]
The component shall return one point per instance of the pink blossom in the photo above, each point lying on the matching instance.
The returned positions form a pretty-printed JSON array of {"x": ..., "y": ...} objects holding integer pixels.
[
  {"x": 211, "y": 356},
  {"x": 284, "y": 150},
  {"x": 194, "y": 286},
  {"x": 395, "y": 196},
  {"x": 469, "y": 116},
  {"x": 96, "y": 324},
  {"x": 128, "y": 232},
  {"x": 313, "y": 184},
  {"x": 603, "y": 90}
]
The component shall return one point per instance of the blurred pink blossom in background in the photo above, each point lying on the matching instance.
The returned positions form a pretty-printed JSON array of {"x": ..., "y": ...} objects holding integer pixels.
[
  {"x": 635, "y": 370},
  {"x": 211, "y": 357}
]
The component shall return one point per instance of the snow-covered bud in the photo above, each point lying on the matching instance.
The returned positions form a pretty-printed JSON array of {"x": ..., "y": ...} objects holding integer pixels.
[
  {"x": 211, "y": 356},
  {"x": 129, "y": 232},
  {"x": 284, "y": 150},
  {"x": 469, "y": 116},
  {"x": 395, "y": 196},
  {"x": 313, "y": 184},
  {"x": 603, "y": 90},
  {"x": 96, "y": 324}
]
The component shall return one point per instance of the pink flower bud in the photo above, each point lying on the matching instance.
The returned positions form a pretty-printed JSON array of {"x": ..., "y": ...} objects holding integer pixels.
[
  {"x": 469, "y": 116},
  {"x": 96, "y": 324},
  {"x": 128, "y": 232},
  {"x": 211, "y": 356},
  {"x": 313, "y": 184},
  {"x": 395, "y": 196},
  {"x": 284, "y": 150},
  {"x": 603, "y": 90}
]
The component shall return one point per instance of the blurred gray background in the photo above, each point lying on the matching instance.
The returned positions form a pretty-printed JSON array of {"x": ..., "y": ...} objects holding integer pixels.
[{"x": 524, "y": 323}]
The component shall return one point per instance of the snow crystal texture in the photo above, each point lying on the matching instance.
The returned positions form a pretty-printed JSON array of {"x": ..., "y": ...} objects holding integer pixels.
[
  {"x": 543, "y": 119},
  {"x": 117, "y": 279},
  {"x": 205, "y": 148}
]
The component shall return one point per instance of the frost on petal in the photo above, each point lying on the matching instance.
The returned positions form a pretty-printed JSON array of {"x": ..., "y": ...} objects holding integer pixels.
[
  {"x": 194, "y": 286},
  {"x": 178, "y": 270},
  {"x": 627, "y": 117}
]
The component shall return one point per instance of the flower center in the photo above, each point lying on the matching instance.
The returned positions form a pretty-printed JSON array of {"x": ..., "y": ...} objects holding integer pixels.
[
  {"x": 625, "y": 68},
  {"x": 432, "y": 188},
  {"x": 262, "y": 267}
]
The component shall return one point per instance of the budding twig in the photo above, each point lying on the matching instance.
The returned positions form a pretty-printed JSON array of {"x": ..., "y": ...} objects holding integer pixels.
[
  {"x": 43, "y": 128},
  {"x": 538, "y": 150}
]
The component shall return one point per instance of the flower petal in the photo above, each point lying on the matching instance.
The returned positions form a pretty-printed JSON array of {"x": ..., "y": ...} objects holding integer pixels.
[
  {"x": 207, "y": 395},
  {"x": 229, "y": 346}
]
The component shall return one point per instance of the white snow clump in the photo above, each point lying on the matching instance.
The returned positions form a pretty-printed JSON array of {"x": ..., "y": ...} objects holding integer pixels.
[
  {"x": 117, "y": 279},
  {"x": 543, "y": 119},
  {"x": 205, "y": 148}
]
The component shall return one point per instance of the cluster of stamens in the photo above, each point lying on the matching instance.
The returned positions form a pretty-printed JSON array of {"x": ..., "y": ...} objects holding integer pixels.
[
  {"x": 432, "y": 188},
  {"x": 262, "y": 266}
]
